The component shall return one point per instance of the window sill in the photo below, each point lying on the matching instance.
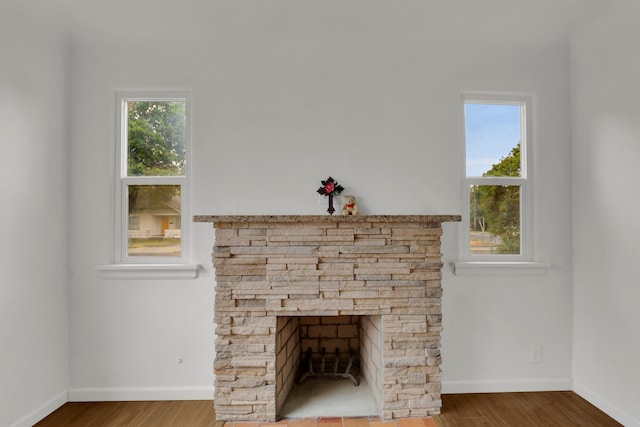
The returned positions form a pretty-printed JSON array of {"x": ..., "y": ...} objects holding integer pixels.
[
  {"x": 148, "y": 271},
  {"x": 478, "y": 268}
]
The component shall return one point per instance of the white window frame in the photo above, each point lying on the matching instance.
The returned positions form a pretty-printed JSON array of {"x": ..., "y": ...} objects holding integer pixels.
[
  {"x": 126, "y": 266},
  {"x": 491, "y": 263}
]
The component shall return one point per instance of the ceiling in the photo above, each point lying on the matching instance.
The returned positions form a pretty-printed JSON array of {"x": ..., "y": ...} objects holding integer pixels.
[{"x": 140, "y": 21}]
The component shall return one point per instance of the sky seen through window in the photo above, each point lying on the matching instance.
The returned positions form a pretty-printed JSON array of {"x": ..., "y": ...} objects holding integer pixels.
[{"x": 491, "y": 132}]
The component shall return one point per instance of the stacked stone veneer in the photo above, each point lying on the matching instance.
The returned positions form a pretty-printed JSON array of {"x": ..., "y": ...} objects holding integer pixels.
[{"x": 272, "y": 267}]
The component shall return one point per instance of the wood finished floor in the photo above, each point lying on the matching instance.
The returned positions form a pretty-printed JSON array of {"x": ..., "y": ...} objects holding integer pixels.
[
  {"x": 560, "y": 408},
  {"x": 557, "y": 409}
]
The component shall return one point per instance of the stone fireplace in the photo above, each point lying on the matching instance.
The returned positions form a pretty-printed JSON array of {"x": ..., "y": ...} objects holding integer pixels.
[{"x": 369, "y": 286}]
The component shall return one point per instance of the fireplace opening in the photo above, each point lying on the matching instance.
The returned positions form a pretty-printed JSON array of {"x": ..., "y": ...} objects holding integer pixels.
[{"x": 329, "y": 366}]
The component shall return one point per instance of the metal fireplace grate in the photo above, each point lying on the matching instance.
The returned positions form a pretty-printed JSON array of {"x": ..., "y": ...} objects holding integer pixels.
[{"x": 328, "y": 365}]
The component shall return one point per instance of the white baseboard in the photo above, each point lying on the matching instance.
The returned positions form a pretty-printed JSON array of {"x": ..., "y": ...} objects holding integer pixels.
[
  {"x": 507, "y": 386},
  {"x": 142, "y": 393},
  {"x": 48, "y": 407},
  {"x": 605, "y": 406}
]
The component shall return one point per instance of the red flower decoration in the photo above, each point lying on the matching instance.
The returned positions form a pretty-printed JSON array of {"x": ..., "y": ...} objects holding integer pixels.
[{"x": 330, "y": 187}]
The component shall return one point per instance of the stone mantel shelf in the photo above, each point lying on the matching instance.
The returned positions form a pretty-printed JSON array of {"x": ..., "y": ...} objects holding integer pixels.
[{"x": 290, "y": 219}]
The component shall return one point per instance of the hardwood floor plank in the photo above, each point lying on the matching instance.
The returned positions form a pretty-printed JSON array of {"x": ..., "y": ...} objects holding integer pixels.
[
  {"x": 522, "y": 410},
  {"x": 557, "y": 409},
  {"x": 196, "y": 413}
]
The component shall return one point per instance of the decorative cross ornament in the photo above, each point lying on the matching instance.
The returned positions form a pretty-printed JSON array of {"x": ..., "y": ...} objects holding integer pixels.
[{"x": 330, "y": 188}]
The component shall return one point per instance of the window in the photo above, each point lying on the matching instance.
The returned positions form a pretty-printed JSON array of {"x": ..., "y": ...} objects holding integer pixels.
[
  {"x": 152, "y": 196},
  {"x": 497, "y": 179}
]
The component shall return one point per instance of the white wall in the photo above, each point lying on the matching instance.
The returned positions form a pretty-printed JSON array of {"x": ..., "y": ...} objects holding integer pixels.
[
  {"x": 126, "y": 336},
  {"x": 282, "y": 98},
  {"x": 33, "y": 217},
  {"x": 606, "y": 66}
]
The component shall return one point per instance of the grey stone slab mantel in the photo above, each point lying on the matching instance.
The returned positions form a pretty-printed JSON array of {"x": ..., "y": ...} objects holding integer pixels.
[{"x": 273, "y": 219}]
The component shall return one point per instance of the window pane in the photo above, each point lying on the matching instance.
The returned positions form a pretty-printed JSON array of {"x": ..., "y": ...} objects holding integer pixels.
[
  {"x": 154, "y": 220},
  {"x": 156, "y": 134},
  {"x": 493, "y": 133},
  {"x": 494, "y": 219}
]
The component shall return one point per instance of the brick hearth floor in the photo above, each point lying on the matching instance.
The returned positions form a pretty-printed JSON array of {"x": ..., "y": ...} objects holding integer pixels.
[{"x": 338, "y": 422}]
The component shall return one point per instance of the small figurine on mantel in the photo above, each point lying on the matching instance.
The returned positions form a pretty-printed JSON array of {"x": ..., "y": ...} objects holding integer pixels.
[{"x": 350, "y": 207}]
